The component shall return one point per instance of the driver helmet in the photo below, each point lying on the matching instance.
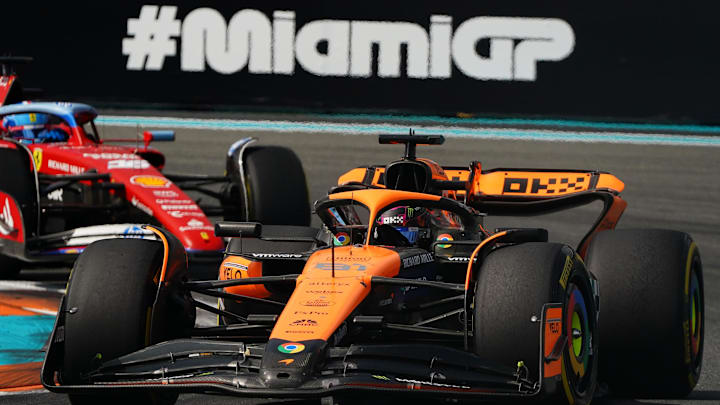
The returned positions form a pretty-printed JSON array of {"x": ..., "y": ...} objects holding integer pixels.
[
  {"x": 31, "y": 126},
  {"x": 411, "y": 222},
  {"x": 29, "y": 119}
]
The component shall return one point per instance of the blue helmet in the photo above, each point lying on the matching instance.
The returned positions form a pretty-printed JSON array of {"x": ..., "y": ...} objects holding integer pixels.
[{"x": 32, "y": 126}]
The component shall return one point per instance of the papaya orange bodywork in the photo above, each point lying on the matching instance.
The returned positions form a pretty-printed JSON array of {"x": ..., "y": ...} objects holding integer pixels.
[
  {"x": 438, "y": 173},
  {"x": 520, "y": 183},
  {"x": 236, "y": 267},
  {"x": 540, "y": 184},
  {"x": 354, "y": 175},
  {"x": 468, "y": 274},
  {"x": 320, "y": 302},
  {"x": 166, "y": 252},
  {"x": 606, "y": 223},
  {"x": 553, "y": 322}
]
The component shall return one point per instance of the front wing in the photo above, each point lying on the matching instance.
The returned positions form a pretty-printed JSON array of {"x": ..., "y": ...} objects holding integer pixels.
[{"x": 258, "y": 370}]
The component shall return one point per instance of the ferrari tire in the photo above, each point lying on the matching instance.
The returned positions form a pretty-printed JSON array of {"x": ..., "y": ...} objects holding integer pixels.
[
  {"x": 514, "y": 283},
  {"x": 109, "y": 299},
  {"x": 9, "y": 268},
  {"x": 276, "y": 187},
  {"x": 651, "y": 287}
]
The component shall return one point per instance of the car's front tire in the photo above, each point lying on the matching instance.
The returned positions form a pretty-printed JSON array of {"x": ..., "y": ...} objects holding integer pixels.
[
  {"x": 514, "y": 283},
  {"x": 109, "y": 300}
]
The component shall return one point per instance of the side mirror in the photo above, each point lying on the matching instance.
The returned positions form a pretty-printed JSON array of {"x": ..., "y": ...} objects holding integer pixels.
[
  {"x": 236, "y": 229},
  {"x": 158, "y": 136}
]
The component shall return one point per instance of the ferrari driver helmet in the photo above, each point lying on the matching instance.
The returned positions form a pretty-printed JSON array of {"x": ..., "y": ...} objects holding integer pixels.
[
  {"x": 412, "y": 222},
  {"x": 22, "y": 125},
  {"x": 29, "y": 126}
]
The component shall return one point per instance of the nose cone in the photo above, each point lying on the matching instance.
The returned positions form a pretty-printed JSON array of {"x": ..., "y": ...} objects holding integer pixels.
[{"x": 288, "y": 364}]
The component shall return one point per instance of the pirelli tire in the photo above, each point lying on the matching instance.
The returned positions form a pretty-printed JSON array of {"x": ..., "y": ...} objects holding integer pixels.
[
  {"x": 652, "y": 317},
  {"x": 514, "y": 283},
  {"x": 109, "y": 299},
  {"x": 277, "y": 192}
]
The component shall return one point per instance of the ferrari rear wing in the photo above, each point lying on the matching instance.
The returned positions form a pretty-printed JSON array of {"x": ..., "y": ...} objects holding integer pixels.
[{"x": 11, "y": 90}]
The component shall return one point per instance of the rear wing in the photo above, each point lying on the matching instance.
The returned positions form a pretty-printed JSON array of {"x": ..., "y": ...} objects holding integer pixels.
[
  {"x": 517, "y": 192},
  {"x": 11, "y": 90},
  {"x": 501, "y": 183}
]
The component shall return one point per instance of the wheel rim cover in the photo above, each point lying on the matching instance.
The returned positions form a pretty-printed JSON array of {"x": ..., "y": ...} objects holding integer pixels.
[{"x": 577, "y": 318}]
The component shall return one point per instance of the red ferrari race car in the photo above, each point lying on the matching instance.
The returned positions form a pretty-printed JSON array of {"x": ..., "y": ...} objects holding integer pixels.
[
  {"x": 403, "y": 291},
  {"x": 62, "y": 187}
]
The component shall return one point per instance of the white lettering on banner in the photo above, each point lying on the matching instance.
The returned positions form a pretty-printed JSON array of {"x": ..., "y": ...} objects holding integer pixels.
[{"x": 251, "y": 40}]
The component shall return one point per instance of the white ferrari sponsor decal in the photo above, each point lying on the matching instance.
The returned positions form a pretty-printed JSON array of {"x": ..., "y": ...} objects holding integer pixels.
[
  {"x": 165, "y": 193},
  {"x": 180, "y": 207},
  {"x": 128, "y": 164},
  {"x": 6, "y": 217},
  {"x": 64, "y": 167},
  {"x": 108, "y": 156},
  {"x": 56, "y": 195},
  {"x": 166, "y": 201},
  {"x": 142, "y": 207},
  {"x": 181, "y": 214},
  {"x": 195, "y": 225}
]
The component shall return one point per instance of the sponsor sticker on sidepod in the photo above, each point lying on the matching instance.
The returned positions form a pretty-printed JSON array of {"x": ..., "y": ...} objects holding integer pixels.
[{"x": 150, "y": 181}]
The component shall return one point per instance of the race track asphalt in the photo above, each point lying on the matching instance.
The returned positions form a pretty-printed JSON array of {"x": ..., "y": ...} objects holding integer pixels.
[{"x": 676, "y": 187}]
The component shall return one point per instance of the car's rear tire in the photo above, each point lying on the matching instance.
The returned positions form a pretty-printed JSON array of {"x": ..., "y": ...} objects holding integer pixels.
[
  {"x": 652, "y": 321},
  {"x": 276, "y": 187},
  {"x": 109, "y": 299},
  {"x": 513, "y": 284}
]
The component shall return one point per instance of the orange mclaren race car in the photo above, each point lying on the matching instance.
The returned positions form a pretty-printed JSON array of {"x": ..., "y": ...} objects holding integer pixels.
[{"x": 403, "y": 291}]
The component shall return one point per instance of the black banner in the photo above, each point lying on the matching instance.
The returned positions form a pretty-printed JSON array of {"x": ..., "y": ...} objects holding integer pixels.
[{"x": 623, "y": 60}]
